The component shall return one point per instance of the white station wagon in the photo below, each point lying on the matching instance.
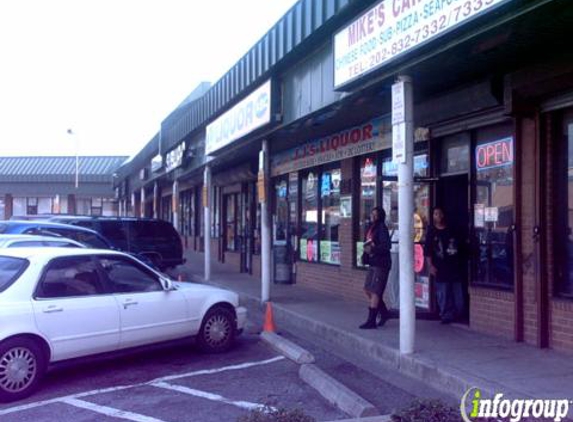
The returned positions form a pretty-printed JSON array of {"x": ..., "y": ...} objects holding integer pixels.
[{"x": 60, "y": 303}]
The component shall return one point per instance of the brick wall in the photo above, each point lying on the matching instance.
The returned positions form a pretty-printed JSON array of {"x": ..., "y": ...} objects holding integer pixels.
[
  {"x": 492, "y": 312},
  {"x": 529, "y": 156},
  {"x": 233, "y": 259},
  {"x": 257, "y": 266}
]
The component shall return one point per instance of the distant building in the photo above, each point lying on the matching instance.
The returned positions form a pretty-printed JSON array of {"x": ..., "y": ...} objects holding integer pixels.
[{"x": 47, "y": 185}]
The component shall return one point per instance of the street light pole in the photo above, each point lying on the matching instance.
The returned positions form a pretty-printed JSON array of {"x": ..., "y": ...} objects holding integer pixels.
[{"x": 70, "y": 132}]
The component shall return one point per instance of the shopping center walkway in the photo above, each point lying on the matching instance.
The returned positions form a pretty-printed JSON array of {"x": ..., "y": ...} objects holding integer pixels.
[{"x": 450, "y": 358}]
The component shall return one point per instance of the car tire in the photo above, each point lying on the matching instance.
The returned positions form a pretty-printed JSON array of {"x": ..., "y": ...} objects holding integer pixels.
[
  {"x": 218, "y": 330},
  {"x": 22, "y": 365}
]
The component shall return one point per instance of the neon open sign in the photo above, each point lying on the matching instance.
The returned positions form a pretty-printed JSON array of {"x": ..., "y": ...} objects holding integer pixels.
[{"x": 494, "y": 154}]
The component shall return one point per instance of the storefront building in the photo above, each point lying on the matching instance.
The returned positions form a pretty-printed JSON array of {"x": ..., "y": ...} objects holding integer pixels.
[
  {"x": 54, "y": 185},
  {"x": 493, "y": 112}
]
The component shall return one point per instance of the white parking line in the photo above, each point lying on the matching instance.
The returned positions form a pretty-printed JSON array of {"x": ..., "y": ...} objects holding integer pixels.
[
  {"x": 124, "y": 387},
  {"x": 209, "y": 396},
  {"x": 110, "y": 411},
  {"x": 217, "y": 370}
]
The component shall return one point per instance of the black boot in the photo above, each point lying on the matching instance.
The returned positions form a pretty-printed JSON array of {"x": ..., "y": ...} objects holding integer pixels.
[
  {"x": 371, "y": 321},
  {"x": 382, "y": 313}
]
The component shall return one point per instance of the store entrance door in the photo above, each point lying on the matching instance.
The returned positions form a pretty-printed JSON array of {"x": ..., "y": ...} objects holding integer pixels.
[{"x": 452, "y": 195}]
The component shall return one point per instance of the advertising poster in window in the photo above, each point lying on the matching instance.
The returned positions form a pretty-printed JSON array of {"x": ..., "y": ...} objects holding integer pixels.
[
  {"x": 422, "y": 292},
  {"x": 359, "y": 252},
  {"x": 479, "y": 216}
]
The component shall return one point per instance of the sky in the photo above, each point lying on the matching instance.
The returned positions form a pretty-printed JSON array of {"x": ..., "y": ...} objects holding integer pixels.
[{"x": 112, "y": 70}]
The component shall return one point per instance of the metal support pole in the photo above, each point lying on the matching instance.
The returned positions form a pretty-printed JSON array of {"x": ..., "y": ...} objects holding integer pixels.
[
  {"x": 175, "y": 204},
  {"x": 155, "y": 200},
  {"x": 142, "y": 200},
  {"x": 265, "y": 226},
  {"x": 404, "y": 106},
  {"x": 207, "y": 219}
]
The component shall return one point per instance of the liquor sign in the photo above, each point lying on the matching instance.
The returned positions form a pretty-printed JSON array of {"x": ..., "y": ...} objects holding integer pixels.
[
  {"x": 395, "y": 27},
  {"x": 174, "y": 158},
  {"x": 248, "y": 115},
  {"x": 494, "y": 154},
  {"x": 369, "y": 137}
]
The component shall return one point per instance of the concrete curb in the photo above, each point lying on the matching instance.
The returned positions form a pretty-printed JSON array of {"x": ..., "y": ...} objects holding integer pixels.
[
  {"x": 336, "y": 393},
  {"x": 383, "y": 418},
  {"x": 448, "y": 380},
  {"x": 288, "y": 348}
]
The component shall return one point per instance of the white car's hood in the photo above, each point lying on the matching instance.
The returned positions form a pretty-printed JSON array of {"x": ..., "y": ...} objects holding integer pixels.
[{"x": 204, "y": 288}]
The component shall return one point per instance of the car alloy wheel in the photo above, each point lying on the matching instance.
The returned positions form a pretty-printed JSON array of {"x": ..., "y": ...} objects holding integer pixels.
[
  {"x": 17, "y": 369},
  {"x": 217, "y": 331},
  {"x": 21, "y": 366}
]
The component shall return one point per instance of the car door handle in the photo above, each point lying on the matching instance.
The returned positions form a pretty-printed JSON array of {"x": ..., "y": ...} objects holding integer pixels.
[
  {"x": 129, "y": 303},
  {"x": 53, "y": 308}
]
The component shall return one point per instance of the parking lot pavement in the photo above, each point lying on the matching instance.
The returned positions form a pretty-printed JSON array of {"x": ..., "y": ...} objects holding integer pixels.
[{"x": 171, "y": 384}]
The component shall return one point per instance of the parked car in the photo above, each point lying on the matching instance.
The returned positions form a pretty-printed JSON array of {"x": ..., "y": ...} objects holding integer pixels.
[
  {"x": 85, "y": 236},
  {"x": 59, "y": 303},
  {"x": 156, "y": 239},
  {"x": 47, "y": 228},
  {"x": 30, "y": 241}
]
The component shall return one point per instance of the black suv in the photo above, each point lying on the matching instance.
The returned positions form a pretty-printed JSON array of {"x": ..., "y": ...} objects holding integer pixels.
[{"x": 155, "y": 239}]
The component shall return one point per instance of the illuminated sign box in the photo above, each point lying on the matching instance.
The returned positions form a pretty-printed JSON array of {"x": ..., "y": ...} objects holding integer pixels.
[
  {"x": 494, "y": 154},
  {"x": 250, "y": 114},
  {"x": 394, "y": 27}
]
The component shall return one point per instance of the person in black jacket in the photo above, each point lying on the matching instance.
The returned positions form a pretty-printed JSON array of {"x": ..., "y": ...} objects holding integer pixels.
[
  {"x": 377, "y": 256},
  {"x": 442, "y": 251}
]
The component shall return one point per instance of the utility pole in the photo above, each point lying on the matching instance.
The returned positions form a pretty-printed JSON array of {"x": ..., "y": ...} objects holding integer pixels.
[{"x": 403, "y": 151}]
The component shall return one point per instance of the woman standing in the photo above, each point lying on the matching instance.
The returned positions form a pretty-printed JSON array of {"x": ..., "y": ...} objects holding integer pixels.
[{"x": 377, "y": 256}]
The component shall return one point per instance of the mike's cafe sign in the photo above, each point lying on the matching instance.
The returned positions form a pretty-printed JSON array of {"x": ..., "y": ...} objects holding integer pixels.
[
  {"x": 372, "y": 136},
  {"x": 248, "y": 115},
  {"x": 395, "y": 27}
]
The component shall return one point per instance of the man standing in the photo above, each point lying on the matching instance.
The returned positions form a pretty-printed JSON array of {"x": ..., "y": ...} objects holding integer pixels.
[{"x": 442, "y": 251}]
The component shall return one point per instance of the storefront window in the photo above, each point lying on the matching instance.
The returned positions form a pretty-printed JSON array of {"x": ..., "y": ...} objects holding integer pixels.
[
  {"x": 564, "y": 233},
  {"x": 456, "y": 154},
  {"x": 493, "y": 209},
  {"x": 330, "y": 222},
  {"x": 309, "y": 217},
  {"x": 367, "y": 201},
  {"x": 421, "y": 220},
  {"x": 231, "y": 226}
]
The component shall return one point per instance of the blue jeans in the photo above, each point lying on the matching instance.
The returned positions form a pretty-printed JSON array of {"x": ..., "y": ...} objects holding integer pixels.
[{"x": 450, "y": 300}]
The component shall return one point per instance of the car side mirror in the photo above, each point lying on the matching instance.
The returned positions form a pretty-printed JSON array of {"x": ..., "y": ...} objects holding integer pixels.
[{"x": 167, "y": 284}]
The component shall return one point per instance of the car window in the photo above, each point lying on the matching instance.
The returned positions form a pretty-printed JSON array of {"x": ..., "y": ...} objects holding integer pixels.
[
  {"x": 126, "y": 276},
  {"x": 60, "y": 244},
  {"x": 70, "y": 276},
  {"x": 92, "y": 240},
  {"x": 114, "y": 231},
  {"x": 26, "y": 244},
  {"x": 10, "y": 270}
]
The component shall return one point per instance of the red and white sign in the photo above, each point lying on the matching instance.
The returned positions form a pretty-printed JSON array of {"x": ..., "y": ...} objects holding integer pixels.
[
  {"x": 369, "y": 137},
  {"x": 394, "y": 27}
]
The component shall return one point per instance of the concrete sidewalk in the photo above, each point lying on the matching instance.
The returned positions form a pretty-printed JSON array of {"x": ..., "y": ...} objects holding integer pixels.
[{"x": 449, "y": 358}]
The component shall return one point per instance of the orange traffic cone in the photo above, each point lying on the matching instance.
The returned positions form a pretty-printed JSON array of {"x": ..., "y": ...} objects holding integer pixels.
[{"x": 269, "y": 325}]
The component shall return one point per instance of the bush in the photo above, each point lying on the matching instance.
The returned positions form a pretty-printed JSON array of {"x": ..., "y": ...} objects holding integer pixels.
[
  {"x": 269, "y": 414},
  {"x": 427, "y": 411}
]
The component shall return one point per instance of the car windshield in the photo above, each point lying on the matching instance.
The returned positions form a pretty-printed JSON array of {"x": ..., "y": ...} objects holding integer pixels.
[{"x": 10, "y": 270}]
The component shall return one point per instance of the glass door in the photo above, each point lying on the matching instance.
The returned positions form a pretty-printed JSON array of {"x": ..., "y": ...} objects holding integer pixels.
[{"x": 282, "y": 250}]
